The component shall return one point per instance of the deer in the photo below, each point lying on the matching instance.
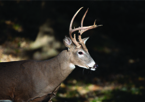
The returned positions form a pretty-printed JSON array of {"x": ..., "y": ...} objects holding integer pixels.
[{"x": 39, "y": 81}]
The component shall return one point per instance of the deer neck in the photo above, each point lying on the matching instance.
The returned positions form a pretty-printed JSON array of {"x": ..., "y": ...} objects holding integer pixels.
[
  {"x": 53, "y": 72},
  {"x": 64, "y": 65},
  {"x": 58, "y": 68}
]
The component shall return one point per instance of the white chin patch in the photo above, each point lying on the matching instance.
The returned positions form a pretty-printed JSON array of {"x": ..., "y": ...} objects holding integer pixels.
[
  {"x": 93, "y": 69},
  {"x": 72, "y": 66}
]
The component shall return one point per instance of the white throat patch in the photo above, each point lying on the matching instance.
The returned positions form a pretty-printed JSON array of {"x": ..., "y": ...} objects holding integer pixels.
[{"x": 72, "y": 66}]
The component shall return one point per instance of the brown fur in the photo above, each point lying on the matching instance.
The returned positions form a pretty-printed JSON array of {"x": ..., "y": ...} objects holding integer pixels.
[
  {"x": 21, "y": 81},
  {"x": 38, "y": 81}
]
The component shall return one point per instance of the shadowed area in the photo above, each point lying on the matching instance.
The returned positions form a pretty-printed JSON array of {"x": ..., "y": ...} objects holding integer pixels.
[{"x": 35, "y": 30}]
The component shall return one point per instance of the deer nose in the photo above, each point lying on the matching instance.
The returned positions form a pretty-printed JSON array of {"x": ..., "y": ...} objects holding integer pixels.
[{"x": 95, "y": 66}]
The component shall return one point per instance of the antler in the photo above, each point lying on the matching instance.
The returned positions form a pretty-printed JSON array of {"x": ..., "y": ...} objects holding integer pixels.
[
  {"x": 80, "y": 29},
  {"x": 73, "y": 30}
]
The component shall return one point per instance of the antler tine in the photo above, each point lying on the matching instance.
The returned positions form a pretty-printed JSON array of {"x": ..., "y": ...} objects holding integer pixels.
[
  {"x": 72, "y": 30},
  {"x": 83, "y": 19},
  {"x": 81, "y": 31}
]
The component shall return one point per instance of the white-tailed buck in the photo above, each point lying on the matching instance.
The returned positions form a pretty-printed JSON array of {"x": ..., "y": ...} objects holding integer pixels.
[{"x": 38, "y": 81}]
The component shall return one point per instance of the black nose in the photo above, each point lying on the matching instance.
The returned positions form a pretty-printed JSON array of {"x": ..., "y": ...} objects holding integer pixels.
[{"x": 95, "y": 66}]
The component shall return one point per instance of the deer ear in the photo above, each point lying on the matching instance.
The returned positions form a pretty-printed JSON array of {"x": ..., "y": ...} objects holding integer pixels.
[
  {"x": 85, "y": 40},
  {"x": 67, "y": 42}
]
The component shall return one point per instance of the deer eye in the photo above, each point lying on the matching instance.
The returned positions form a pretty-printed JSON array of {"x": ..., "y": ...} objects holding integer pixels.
[{"x": 80, "y": 53}]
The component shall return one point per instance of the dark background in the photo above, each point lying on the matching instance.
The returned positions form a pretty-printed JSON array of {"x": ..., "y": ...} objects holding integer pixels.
[{"x": 117, "y": 46}]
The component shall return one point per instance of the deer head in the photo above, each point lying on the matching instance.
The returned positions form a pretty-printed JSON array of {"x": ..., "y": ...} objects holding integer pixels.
[{"x": 77, "y": 49}]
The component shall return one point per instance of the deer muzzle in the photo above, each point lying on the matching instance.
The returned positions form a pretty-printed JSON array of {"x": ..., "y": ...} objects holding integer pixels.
[{"x": 94, "y": 67}]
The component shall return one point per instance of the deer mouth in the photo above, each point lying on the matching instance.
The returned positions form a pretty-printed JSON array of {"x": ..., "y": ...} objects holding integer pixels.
[{"x": 94, "y": 67}]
